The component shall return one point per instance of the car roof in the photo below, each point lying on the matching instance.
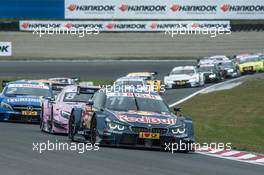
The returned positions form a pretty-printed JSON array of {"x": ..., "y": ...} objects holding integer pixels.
[
  {"x": 207, "y": 65},
  {"x": 129, "y": 79},
  {"x": 122, "y": 91},
  {"x": 74, "y": 88},
  {"x": 183, "y": 68},
  {"x": 140, "y": 74},
  {"x": 219, "y": 56},
  {"x": 25, "y": 82}
]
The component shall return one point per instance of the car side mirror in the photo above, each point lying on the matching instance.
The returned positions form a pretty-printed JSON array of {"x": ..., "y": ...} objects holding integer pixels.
[
  {"x": 90, "y": 102},
  {"x": 177, "y": 111},
  {"x": 51, "y": 99}
]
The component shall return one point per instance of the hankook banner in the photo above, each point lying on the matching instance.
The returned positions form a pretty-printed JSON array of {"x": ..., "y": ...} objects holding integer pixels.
[
  {"x": 165, "y": 9},
  {"x": 133, "y": 26}
]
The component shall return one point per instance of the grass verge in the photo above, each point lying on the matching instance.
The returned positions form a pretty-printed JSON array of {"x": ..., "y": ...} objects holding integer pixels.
[{"x": 231, "y": 116}]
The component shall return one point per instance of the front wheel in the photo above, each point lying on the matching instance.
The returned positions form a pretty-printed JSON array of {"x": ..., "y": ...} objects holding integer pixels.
[
  {"x": 72, "y": 128},
  {"x": 41, "y": 122},
  {"x": 50, "y": 126},
  {"x": 94, "y": 132}
]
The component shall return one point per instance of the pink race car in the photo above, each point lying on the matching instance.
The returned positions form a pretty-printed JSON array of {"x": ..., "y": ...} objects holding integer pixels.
[{"x": 55, "y": 113}]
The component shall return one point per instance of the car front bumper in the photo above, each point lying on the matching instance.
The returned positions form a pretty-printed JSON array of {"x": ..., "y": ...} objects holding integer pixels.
[{"x": 132, "y": 140}]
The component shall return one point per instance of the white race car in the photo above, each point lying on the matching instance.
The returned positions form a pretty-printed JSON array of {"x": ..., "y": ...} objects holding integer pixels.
[
  {"x": 131, "y": 83},
  {"x": 184, "y": 76},
  {"x": 214, "y": 60}
]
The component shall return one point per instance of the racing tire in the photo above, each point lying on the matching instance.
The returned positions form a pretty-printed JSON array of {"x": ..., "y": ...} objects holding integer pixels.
[
  {"x": 50, "y": 125},
  {"x": 72, "y": 128},
  {"x": 94, "y": 132},
  {"x": 41, "y": 123}
]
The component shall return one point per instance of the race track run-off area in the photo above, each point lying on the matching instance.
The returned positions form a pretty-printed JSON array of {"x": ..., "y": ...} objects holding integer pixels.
[{"x": 17, "y": 155}]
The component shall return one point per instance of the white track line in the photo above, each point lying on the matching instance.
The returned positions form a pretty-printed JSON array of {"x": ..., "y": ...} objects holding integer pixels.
[{"x": 205, "y": 89}]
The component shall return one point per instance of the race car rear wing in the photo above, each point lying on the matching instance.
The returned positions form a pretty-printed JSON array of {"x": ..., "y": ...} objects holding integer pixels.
[
  {"x": 87, "y": 90},
  {"x": 76, "y": 79},
  {"x": 58, "y": 86}
]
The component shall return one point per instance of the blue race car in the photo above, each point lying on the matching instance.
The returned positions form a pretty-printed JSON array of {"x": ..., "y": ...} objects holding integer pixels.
[
  {"x": 130, "y": 119},
  {"x": 21, "y": 100}
]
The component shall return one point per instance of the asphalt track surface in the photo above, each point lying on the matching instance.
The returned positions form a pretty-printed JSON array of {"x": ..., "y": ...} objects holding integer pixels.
[
  {"x": 16, "y": 140},
  {"x": 25, "y": 45}
]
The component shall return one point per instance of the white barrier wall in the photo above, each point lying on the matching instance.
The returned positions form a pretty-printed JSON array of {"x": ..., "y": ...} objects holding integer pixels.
[{"x": 164, "y": 9}]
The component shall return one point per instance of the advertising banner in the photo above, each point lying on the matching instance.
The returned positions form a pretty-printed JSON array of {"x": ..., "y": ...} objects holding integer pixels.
[
  {"x": 165, "y": 9},
  {"x": 5, "y": 48},
  {"x": 123, "y": 26}
]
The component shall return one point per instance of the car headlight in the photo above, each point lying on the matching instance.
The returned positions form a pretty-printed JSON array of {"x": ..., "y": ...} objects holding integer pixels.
[
  {"x": 212, "y": 76},
  {"x": 178, "y": 130},
  {"x": 230, "y": 70},
  {"x": 193, "y": 79},
  {"x": 114, "y": 126},
  {"x": 5, "y": 105},
  {"x": 65, "y": 114},
  {"x": 169, "y": 81}
]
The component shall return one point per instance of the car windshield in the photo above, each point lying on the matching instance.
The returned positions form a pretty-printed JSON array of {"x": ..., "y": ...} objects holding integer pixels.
[
  {"x": 206, "y": 68},
  {"x": 126, "y": 103},
  {"x": 74, "y": 97},
  {"x": 130, "y": 83},
  {"x": 182, "y": 71},
  {"x": 27, "y": 91},
  {"x": 146, "y": 77},
  {"x": 249, "y": 59},
  {"x": 227, "y": 64}
]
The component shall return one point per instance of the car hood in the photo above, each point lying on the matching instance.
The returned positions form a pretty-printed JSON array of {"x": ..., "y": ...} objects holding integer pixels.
[
  {"x": 180, "y": 77},
  {"x": 250, "y": 64},
  {"x": 67, "y": 106},
  {"x": 145, "y": 119},
  {"x": 23, "y": 101}
]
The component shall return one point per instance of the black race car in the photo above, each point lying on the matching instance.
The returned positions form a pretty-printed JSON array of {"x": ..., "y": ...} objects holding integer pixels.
[
  {"x": 131, "y": 119},
  {"x": 212, "y": 72}
]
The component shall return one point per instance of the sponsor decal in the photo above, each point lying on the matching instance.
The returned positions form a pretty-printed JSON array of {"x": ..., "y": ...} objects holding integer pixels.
[
  {"x": 147, "y": 120},
  {"x": 193, "y": 8},
  {"x": 242, "y": 8},
  {"x": 142, "y": 8},
  {"x": 127, "y": 26},
  {"x": 72, "y": 7},
  {"x": 27, "y": 25},
  {"x": 91, "y": 8},
  {"x": 29, "y": 86},
  {"x": 143, "y": 113},
  {"x": 13, "y": 100},
  {"x": 139, "y": 95}
]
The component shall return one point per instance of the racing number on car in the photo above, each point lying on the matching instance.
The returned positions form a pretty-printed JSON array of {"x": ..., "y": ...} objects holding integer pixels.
[{"x": 70, "y": 96}]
